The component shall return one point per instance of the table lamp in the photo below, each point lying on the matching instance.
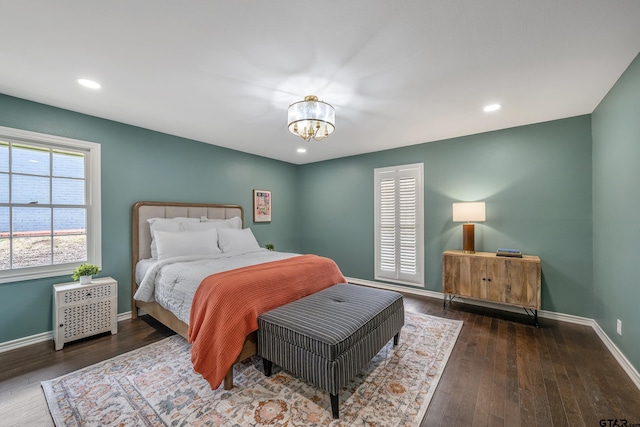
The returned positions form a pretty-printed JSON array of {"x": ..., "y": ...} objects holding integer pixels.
[{"x": 467, "y": 212}]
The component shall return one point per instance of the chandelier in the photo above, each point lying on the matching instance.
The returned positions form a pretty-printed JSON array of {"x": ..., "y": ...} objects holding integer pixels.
[{"x": 311, "y": 118}]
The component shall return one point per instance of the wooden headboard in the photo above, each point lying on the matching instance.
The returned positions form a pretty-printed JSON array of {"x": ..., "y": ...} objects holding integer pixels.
[{"x": 141, "y": 234}]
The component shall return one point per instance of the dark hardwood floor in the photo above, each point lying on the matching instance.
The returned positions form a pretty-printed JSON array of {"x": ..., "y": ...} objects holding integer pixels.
[{"x": 503, "y": 371}]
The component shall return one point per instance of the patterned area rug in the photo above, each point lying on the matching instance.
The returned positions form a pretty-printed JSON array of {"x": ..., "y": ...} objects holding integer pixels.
[{"x": 156, "y": 386}]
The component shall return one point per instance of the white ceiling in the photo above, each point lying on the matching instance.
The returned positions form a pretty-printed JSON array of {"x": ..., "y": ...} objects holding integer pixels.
[{"x": 397, "y": 72}]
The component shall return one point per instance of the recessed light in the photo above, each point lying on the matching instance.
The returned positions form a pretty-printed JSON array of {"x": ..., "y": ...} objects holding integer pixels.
[
  {"x": 89, "y": 83},
  {"x": 301, "y": 150},
  {"x": 492, "y": 107}
]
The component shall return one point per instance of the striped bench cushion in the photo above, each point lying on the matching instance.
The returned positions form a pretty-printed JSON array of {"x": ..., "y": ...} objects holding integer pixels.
[{"x": 331, "y": 321}]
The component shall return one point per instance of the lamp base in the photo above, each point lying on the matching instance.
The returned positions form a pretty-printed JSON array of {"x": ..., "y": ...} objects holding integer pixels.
[{"x": 468, "y": 234}]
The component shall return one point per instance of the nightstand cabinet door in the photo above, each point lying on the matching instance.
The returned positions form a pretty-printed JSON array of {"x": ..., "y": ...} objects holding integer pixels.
[
  {"x": 518, "y": 283},
  {"x": 464, "y": 276},
  {"x": 84, "y": 310}
]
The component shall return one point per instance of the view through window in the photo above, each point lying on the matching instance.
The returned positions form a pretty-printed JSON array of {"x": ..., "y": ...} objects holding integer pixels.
[{"x": 44, "y": 206}]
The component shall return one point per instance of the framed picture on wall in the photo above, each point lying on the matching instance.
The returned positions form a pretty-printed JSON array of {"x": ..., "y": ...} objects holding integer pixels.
[{"x": 261, "y": 206}]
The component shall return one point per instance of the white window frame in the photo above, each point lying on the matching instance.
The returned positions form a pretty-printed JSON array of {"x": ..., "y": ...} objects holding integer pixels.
[
  {"x": 395, "y": 174},
  {"x": 93, "y": 201}
]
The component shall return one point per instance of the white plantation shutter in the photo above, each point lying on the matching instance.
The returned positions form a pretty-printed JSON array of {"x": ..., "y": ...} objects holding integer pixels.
[
  {"x": 399, "y": 224},
  {"x": 408, "y": 224},
  {"x": 387, "y": 225}
]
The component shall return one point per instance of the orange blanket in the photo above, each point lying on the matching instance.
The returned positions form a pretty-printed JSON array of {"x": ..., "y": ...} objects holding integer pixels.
[{"x": 226, "y": 306}]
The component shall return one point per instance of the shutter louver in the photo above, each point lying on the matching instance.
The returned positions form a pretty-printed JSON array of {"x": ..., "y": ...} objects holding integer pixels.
[
  {"x": 388, "y": 225},
  {"x": 407, "y": 241}
]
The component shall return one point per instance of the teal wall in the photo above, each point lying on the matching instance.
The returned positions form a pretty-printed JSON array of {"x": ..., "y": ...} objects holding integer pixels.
[
  {"x": 535, "y": 180},
  {"x": 616, "y": 203},
  {"x": 139, "y": 164}
]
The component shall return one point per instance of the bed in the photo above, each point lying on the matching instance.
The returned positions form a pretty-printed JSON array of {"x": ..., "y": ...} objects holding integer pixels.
[{"x": 144, "y": 270}]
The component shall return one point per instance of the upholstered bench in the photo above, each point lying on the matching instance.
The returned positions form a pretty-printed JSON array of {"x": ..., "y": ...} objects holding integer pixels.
[{"x": 328, "y": 337}]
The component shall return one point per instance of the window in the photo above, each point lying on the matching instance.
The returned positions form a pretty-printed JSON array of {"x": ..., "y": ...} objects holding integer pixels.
[
  {"x": 49, "y": 205},
  {"x": 399, "y": 247}
]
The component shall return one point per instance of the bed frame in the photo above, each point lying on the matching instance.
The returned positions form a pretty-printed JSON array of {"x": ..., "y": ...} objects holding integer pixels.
[{"x": 141, "y": 242}]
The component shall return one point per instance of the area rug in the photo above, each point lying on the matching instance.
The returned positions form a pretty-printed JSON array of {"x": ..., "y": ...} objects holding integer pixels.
[{"x": 156, "y": 386}]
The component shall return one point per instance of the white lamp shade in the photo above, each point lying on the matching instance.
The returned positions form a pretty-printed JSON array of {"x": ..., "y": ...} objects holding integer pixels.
[{"x": 469, "y": 212}]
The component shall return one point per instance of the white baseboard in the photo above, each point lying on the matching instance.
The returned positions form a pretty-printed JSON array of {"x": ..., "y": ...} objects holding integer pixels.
[
  {"x": 42, "y": 337},
  {"x": 439, "y": 295},
  {"x": 613, "y": 349},
  {"x": 124, "y": 316},
  {"x": 405, "y": 289},
  {"x": 23, "y": 342}
]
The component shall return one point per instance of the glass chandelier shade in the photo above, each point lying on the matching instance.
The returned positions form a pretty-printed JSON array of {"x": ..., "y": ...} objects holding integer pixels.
[{"x": 311, "y": 119}]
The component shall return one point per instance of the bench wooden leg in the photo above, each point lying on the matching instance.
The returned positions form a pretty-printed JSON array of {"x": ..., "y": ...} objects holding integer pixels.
[
  {"x": 334, "y": 406},
  {"x": 267, "y": 366},
  {"x": 396, "y": 339}
]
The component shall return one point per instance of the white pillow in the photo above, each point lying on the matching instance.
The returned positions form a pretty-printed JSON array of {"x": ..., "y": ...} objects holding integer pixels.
[
  {"x": 235, "y": 222},
  {"x": 177, "y": 219},
  {"x": 166, "y": 224},
  {"x": 184, "y": 243},
  {"x": 196, "y": 226},
  {"x": 230, "y": 239}
]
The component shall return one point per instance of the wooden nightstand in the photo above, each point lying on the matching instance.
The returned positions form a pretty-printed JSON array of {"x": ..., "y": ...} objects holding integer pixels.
[
  {"x": 83, "y": 310},
  {"x": 487, "y": 277}
]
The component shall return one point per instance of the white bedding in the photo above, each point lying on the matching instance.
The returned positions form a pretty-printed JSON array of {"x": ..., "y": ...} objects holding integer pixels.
[
  {"x": 173, "y": 282},
  {"x": 141, "y": 268}
]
